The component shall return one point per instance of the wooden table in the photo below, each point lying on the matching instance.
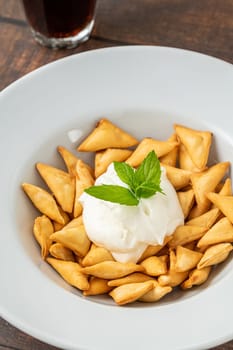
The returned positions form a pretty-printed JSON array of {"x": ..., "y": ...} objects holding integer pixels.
[{"x": 201, "y": 25}]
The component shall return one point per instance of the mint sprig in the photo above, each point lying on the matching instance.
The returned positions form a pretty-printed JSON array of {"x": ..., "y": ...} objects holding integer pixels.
[{"x": 142, "y": 183}]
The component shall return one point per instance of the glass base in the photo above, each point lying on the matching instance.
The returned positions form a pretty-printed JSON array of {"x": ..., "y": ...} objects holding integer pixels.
[{"x": 61, "y": 43}]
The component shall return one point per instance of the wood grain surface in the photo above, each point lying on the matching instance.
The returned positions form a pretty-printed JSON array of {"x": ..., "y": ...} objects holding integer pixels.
[{"x": 201, "y": 25}]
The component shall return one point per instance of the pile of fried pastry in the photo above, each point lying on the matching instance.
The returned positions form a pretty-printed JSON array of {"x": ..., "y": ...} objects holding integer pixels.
[{"x": 186, "y": 257}]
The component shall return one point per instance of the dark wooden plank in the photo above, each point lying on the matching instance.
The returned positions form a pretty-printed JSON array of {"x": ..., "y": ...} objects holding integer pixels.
[
  {"x": 201, "y": 25},
  {"x": 11, "y": 9},
  {"x": 20, "y": 54}
]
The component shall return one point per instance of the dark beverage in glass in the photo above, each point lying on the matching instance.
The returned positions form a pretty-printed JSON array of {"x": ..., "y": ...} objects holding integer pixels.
[{"x": 60, "y": 23}]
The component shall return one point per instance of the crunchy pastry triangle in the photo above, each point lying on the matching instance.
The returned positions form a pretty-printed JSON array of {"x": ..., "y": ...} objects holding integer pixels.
[
  {"x": 186, "y": 200},
  {"x": 224, "y": 203},
  {"x": 83, "y": 180},
  {"x": 178, "y": 177},
  {"x": 70, "y": 272},
  {"x": 135, "y": 277},
  {"x": 185, "y": 234},
  {"x": 205, "y": 220},
  {"x": 226, "y": 190},
  {"x": 172, "y": 260},
  {"x": 104, "y": 158},
  {"x": 69, "y": 159},
  {"x": 148, "y": 144},
  {"x": 171, "y": 157},
  {"x": 172, "y": 278},
  {"x": 112, "y": 269},
  {"x": 215, "y": 255},
  {"x": 197, "y": 211},
  {"x": 206, "y": 182},
  {"x": 96, "y": 255},
  {"x": 57, "y": 226},
  {"x": 156, "y": 293},
  {"x": 129, "y": 293},
  {"x": 60, "y": 183},
  {"x": 58, "y": 251},
  {"x": 186, "y": 259},
  {"x": 154, "y": 265},
  {"x": 221, "y": 232},
  {"x": 43, "y": 201},
  {"x": 196, "y": 277},
  {"x": 185, "y": 161},
  {"x": 74, "y": 237},
  {"x": 97, "y": 286},
  {"x": 42, "y": 229},
  {"x": 196, "y": 142},
  {"x": 107, "y": 135}
]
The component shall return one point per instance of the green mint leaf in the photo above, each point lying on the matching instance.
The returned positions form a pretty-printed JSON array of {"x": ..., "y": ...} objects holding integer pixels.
[
  {"x": 143, "y": 183},
  {"x": 125, "y": 172},
  {"x": 112, "y": 193},
  {"x": 147, "y": 190},
  {"x": 149, "y": 171}
]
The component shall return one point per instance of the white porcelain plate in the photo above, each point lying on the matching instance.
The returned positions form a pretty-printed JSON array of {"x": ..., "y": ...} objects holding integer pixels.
[{"x": 144, "y": 90}]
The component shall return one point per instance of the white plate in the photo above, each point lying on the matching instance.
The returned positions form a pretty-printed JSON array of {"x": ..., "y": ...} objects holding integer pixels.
[{"x": 144, "y": 90}]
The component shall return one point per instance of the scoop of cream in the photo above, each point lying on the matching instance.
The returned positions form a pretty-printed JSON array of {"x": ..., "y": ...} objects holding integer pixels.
[{"x": 124, "y": 230}]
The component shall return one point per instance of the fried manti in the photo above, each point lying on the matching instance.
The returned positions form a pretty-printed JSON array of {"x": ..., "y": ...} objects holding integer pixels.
[
  {"x": 130, "y": 292},
  {"x": 185, "y": 234},
  {"x": 70, "y": 272},
  {"x": 107, "y": 135},
  {"x": 224, "y": 203},
  {"x": 135, "y": 277},
  {"x": 186, "y": 259},
  {"x": 172, "y": 260},
  {"x": 60, "y": 183},
  {"x": 155, "y": 266},
  {"x": 157, "y": 293},
  {"x": 185, "y": 161},
  {"x": 206, "y": 182},
  {"x": 58, "y": 251},
  {"x": 226, "y": 189},
  {"x": 196, "y": 277},
  {"x": 148, "y": 144},
  {"x": 172, "y": 278},
  {"x": 74, "y": 237},
  {"x": 69, "y": 159},
  {"x": 154, "y": 249},
  {"x": 83, "y": 180},
  {"x": 171, "y": 157},
  {"x": 43, "y": 201},
  {"x": 178, "y": 177},
  {"x": 221, "y": 232},
  {"x": 42, "y": 230},
  {"x": 104, "y": 158},
  {"x": 56, "y": 225},
  {"x": 215, "y": 255},
  {"x": 96, "y": 255},
  {"x": 186, "y": 199},
  {"x": 97, "y": 286},
  {"x": 205, "y": 220},
  {"x": 197, "y": 144},
  {"x": 112, "y": 269},
  {"x": 197, "y": 211}
]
